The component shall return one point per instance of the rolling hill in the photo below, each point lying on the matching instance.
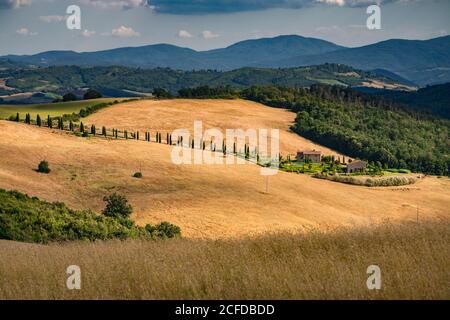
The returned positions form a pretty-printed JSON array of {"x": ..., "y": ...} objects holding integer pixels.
[
  {"x": 422, "y": 62},
  {"x": 206, "y": 201},
  {"x": 164, "y": 55},
  {"x": 119, "y": 81}
]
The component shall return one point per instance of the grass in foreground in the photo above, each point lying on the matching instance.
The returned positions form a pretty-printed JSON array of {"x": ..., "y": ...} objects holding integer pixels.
[
  {"x": 414, "y": 262},
  {"x": 52, "y": 109}
]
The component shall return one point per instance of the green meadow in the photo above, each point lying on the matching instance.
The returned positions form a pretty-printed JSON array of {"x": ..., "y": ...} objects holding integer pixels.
[{"x": 52, "y": 109}]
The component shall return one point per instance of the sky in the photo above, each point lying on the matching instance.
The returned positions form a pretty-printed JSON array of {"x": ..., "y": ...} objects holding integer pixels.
[{"x": 32, "y": 26}]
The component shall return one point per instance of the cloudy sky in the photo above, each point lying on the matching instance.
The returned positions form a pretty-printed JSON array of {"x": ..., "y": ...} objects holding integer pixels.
[{"x": 31, "y": 26}]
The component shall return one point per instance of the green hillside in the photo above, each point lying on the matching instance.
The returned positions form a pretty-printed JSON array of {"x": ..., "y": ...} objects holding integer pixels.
[{"x": 67, "y": 78}]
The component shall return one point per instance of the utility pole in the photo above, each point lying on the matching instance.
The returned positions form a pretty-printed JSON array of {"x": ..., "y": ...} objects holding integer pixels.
[{"x": 417, "y": 207}]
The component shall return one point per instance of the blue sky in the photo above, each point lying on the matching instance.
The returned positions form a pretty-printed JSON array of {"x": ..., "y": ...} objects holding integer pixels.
[{"x": 31, "y": 26}]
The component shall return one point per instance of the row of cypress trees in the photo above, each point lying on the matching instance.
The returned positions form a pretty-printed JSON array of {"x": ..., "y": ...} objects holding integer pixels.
[{"x": 115, "y": 134}]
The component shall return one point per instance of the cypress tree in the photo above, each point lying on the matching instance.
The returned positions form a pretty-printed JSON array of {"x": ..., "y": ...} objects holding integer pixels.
[
  {"x": 193, "y": 143},
  {"x": 170, "y": 139},
  {"x": 137, "y": 135},
  {"x": 234, "y": 147},
  {"x": 104, "y": 131},
  {"x": 125, "y": 133},
  {"x": 167, "y": 138},
  {"x": 71, "y": 125},
  {"x": 49, "y": 122},
  {"x": 38, "y": 120},
  {"x": 204, "y": 145},
  {"x": 81, "y": 127},
  {"x": 93, "y": 131},
  {"x": 17, "y": 117}
]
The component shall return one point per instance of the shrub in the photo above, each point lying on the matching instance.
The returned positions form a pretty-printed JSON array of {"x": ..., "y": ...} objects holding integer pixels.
[
  {"x": 92, "y": 94},
  {"x": 117, "y": 206},
  {"x": 43, "y": 167},
  {"x": 137, "y": 175},
  {"x": 369, "y": 182},
  {"x": 31, "y": 220},
  {"x": 163, "y": 230},
  {"x": 69, "y": 97}
]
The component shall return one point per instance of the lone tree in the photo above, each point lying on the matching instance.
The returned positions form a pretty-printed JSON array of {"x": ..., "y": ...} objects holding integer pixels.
[
  {"x": 43, "y": 167},
  {"x": 69, "y": 97},
  {"x": 92, "y": 94},
  {"x": 117, "y": 206},
  {"x": 161, "y": 93}
]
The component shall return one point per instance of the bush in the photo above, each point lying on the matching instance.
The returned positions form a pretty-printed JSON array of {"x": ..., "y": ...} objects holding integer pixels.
[
  {"x": 31, "y": 220},
  {"x": 69, "y": 97},
  {"x": 117, "y": 206},
  {"x": 164, "y": 230},
  {"x": 369, "y": 182},
  {"x": 137, "y": 175},
  {"x": 92, "y": 94},
  {"x": 43, "y": 167}
]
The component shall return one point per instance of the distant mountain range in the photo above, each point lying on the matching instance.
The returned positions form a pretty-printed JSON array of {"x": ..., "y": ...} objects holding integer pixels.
[
  {"x": 123, "y": 81},
  {"x": 421, "y": 62}
]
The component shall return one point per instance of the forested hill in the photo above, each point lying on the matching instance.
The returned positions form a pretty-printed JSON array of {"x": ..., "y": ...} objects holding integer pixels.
[
  {"x": 433, "y": 99},
  {"x": 121, "y": 80},
  {"x": 364, "y": 126}
]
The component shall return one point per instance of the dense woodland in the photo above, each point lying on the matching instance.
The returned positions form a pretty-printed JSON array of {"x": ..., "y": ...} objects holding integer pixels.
[
  {"x": 364, "y": 126},
  {"x": 361, "y": 125},
  {"x": 433, "y": 99}
]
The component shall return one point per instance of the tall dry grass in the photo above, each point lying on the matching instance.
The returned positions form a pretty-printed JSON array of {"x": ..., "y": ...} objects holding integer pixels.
[{"x": 414, "y": 261}]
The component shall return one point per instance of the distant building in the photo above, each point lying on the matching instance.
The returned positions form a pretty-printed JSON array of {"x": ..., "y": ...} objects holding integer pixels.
[
  {"x": 314, "y": 156},
  {"x": 356, "y": 166}
]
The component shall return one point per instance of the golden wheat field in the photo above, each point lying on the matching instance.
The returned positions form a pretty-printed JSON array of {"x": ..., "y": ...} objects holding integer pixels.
[
  {"x": 413, "y": 259},
  {"x": 167, "y": 115},
  {"x": 206, "y": 201},
  {"x": 302, "y": 238}
]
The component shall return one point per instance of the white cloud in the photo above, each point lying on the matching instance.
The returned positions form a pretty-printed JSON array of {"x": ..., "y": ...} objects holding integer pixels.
[
  {"x": 184, "y": 34},
  {"x": 209, "y": 34},
  {"x": 14, "y": 3},
  {"x": 50, "y": 19},
  {"x": 124, "y": 31},
  {"x": 87, "y": 33},
  {"x": 116, "y": 4},
  {"x": 333, "y": 2},
  {"x": 25, "y": 32}
]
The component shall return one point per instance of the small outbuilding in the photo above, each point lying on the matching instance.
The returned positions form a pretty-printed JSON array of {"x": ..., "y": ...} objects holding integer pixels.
[
  {"x": 314, "y": 156},
  {"x": 356, "y": 166}
]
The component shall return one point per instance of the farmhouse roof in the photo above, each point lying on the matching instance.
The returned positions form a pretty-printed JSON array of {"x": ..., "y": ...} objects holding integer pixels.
[
  {"x": 358, "y": 162},
  {"x": 311, "y": 152}
]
